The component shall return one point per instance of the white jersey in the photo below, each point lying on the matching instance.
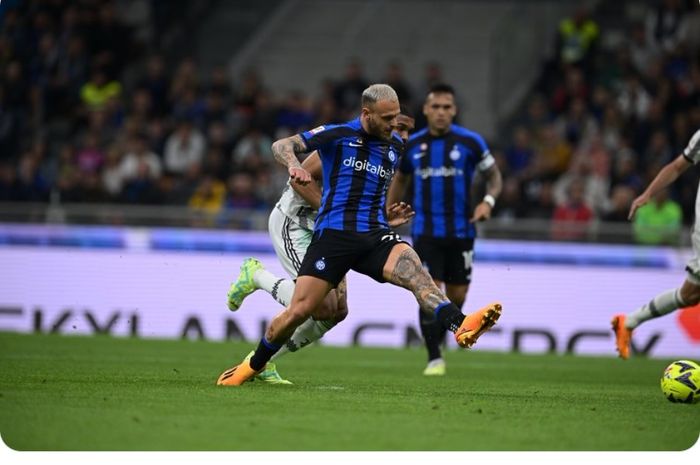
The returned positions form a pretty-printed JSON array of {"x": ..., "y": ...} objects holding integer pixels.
[
  {"x": 692, "y": 154},
  {"x": 296, "y": 208},
  {"x": 692, "y": 151}
]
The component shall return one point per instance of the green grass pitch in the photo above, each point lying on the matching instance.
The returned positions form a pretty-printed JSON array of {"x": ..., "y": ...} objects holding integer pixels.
[{"x": 100, "y": 393}]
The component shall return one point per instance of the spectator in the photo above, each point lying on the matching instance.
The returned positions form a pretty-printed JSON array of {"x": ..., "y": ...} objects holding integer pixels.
[
  {"x": 348, "y": 91},
  {"x": 220, "y": 85},
  {"x": 15, "y": 89},
  {"x": 572, "y": 218},
  {"x": 625, "y": 172},
  {"x": 619, "y": 205},
  {"x": 241, "y": 192},
  {"x": 633, "y": 99},
  {"x": 90, "y": 157},
  {"x": 543, "y": 205},
  {"x": 640, "y": 49},
  {"x": 659, "y": 221},
  {"x": 185, "y": 78},
  {"x": 665, "y": 25},
  {"x": 190, "y": 106},
  {"x": 96, "y": 92},
  {"x": 577, "y": 40},
  {"x": 659, "y": 149},
  {"x": 577, "y": 125},
  {"x": 395, "y": 78},
  {"x": 184, "y": 147},
  {"x": 573, "y": 87},
  {"x": 520, "y": 154},
  {"x": 296, "y": 114},
  {"x": 264, "y": 115},
  {"x": 552, "y": 153},
  {"x": 208, "y": 197},
  {"x": 139, "y": 161},
  {"x": 510, "y": 205},
  {"x": 31, "y": 183},
  {"x": 112, "y": 178},
  {"x": 142, "y": 187},
  {"x": 156, "y": 83},
  {"x": 595, "y": 188},
  {"x": 253, "y": 144},
  {"x": 247, "y": 93},
  {"x": 9, "y": 186},
  {"x": 214, "y": 110}
]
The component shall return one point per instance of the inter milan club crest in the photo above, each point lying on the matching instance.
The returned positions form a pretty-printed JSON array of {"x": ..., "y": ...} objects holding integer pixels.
[
  {"x": 392, "y": 155},
  {"x": 320, "y": 265},
  {"x": 455, "y": 153}
]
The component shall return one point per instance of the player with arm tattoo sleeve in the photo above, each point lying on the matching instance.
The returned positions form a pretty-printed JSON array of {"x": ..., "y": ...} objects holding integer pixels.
[
  {"x": 291, "y": 229},
  {"x": 351, "y": 230}
]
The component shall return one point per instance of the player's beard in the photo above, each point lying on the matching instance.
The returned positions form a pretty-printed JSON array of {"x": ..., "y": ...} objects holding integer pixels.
[{"x": 376, "y": 129}]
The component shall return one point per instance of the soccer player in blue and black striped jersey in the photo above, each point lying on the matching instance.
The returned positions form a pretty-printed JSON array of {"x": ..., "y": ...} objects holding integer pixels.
[
  {"x": 440, "y": 161},
  {"x": 351, "y": 230}
]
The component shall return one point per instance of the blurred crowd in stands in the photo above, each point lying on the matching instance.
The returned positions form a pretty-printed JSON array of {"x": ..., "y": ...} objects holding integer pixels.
[
  {"x": 602, "y": 122},
  {"x": 90, "y": 113}
]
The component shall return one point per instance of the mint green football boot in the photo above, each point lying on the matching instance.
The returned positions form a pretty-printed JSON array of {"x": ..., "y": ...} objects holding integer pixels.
[
  {"x": 244, "y": 284},
  {"x": 269, "y": 374}
]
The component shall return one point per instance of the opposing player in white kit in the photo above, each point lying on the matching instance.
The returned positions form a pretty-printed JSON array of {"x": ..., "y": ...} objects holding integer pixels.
[
  {"x": 290, "y": 226},
  {"x": 689, "y": 293}
]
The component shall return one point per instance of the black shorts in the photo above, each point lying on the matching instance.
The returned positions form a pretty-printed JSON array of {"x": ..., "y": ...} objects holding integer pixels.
[
  {"x": 447, "y": 259},
  {"x": 332, "y": 253}
]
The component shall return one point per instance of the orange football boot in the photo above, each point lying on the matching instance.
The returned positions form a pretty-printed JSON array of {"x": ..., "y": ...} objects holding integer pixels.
[
  {"x": 237, "y": 375},
  {"x": 623, "y": 336},
  {"x": 477, "y": 323}
]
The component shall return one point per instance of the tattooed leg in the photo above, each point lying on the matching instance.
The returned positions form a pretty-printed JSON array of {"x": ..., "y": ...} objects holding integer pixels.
[{"x": 404, "y": 268}]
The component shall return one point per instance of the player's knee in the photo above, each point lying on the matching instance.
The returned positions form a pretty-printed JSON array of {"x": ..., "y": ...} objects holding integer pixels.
[
  {"x": 330, "y": 310},
  {"x": 300, "y": 312},
  {"x": 341, "y": 313},
  {"x": 690, "y": 293}
]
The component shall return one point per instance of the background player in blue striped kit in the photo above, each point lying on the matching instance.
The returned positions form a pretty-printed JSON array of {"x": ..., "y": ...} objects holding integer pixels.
[
  {"x": 351, "y": 229},
  {"x": 441, "y": 160}
]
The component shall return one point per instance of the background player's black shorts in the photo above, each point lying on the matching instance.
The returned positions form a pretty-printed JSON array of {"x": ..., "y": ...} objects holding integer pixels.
[
  {"x": 447, "y": 259},
  {"x": 332, "y": 253}
]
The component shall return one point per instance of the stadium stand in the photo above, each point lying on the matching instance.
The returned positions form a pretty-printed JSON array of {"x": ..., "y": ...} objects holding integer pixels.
[{"x": 130, "y": 103}]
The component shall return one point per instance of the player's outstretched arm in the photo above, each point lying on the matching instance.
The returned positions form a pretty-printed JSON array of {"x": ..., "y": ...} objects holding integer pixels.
[
  {"x": 494, "y": 184},
  {"x": 285, "y": 151},
  {"x": 666, "y": 176},
  {"x": 311, "y": 192}
]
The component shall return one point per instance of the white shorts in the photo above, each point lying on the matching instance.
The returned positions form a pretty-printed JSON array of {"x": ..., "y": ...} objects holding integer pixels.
[{"x": 289, "y": 239}]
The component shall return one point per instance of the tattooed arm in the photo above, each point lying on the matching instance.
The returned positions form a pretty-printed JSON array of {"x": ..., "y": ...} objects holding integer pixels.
[
  {"x": 285, "y": 152},
  {"x": 494, "y": 184}
]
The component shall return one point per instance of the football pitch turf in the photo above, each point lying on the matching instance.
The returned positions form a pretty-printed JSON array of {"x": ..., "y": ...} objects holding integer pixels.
[{"x": 101, "y": 393}]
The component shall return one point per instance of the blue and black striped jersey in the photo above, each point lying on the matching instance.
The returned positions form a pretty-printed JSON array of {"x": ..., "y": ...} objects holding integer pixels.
[
  {"x": 442, "y": 169},
  {"x": 357, "y": 170}
]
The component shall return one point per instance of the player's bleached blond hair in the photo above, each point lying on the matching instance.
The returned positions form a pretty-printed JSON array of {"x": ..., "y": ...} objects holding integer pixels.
[{"x": 377, "y": 92}]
